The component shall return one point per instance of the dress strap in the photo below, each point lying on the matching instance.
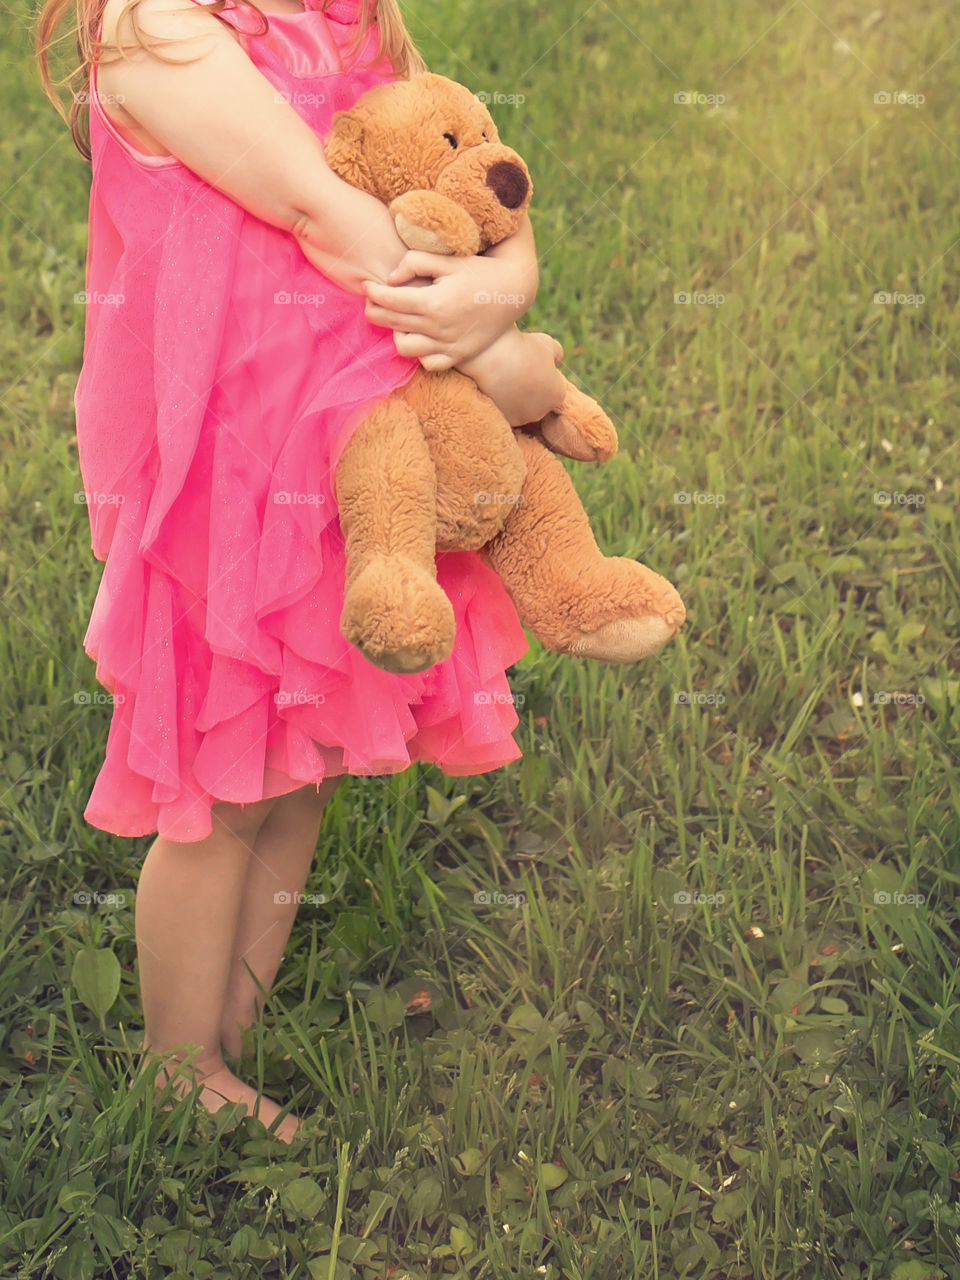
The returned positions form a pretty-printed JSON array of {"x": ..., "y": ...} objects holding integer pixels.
[
  {"x": 345, "y": 12},
  {"x": 241, "y": 17},
  {"x": 223, "y": 12}
]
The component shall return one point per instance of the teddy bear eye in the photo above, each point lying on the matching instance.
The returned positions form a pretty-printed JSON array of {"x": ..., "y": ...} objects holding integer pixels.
[
  {"x": 483, "y": 134},
  {"x": 451, "y": 139}
]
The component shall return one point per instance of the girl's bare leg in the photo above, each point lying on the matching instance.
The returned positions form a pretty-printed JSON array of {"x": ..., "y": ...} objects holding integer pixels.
[
  {"x": 283, "y": 851},
  {"x": 189, "y": 898}
]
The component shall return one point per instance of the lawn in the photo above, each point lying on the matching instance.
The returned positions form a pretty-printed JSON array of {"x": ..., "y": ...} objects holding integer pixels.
[{"x": 708, "y": 1022}]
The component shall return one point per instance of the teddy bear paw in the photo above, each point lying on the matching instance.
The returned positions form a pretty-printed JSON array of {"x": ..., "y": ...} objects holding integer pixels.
[
  {"x": 624, "y": 640},
  {"x": 643, "y": 611},
  {"x": 398, "y": 616}
]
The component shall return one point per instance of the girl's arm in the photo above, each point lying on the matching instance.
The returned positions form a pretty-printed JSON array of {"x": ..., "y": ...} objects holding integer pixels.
[
  {"x": 470, "y": 303},
  {"x": 478, "y": 336},
  {"x": 518, "y": 372},
  {"x": 206, "y": 103}
]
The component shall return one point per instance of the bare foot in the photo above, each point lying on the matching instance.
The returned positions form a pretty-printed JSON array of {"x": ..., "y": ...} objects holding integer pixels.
[{"x": 219, "y": 1086}]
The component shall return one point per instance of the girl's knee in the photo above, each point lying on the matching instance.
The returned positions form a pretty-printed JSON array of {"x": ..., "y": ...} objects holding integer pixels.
[
  {"x": 313, "y": 796},
  {"x": 242, "y": 821}
]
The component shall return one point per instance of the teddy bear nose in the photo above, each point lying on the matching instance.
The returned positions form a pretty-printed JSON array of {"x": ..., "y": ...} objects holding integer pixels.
[{"x": 508, "y": 183}]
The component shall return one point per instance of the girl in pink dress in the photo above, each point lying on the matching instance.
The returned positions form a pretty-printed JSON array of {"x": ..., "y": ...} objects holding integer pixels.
[{"x": 244, "y": 310}]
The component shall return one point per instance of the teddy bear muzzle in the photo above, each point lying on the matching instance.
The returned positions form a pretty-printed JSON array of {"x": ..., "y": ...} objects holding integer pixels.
[
  {"x": 492, "y": 183},
  {"x": 508, "y": 182}
]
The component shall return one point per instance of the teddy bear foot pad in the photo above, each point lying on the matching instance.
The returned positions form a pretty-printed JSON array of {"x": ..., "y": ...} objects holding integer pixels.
[
  {"x": 624, "y": 640},
  {"x": 398, "y": 615}
]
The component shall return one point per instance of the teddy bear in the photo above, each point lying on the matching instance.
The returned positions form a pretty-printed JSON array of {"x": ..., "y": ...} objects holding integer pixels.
[{"x": 435, "y": 466}]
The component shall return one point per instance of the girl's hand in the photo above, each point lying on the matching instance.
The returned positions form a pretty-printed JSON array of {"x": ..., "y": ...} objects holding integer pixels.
[
  {"x": 466, "y": 304},
  {"x": 519, "y": 374}
]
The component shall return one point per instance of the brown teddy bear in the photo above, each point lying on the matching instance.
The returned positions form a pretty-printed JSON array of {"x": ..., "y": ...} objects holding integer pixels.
[{"x": 436, "y": 466}]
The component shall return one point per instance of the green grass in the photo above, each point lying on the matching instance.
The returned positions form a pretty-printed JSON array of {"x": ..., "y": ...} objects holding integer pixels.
[{"x": 608, "y": 1083}]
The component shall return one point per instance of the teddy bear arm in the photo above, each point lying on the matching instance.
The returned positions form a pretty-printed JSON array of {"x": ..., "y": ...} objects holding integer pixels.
[
  {"x": 580, "y": 430},
  {"x": 429, "y": 221}
]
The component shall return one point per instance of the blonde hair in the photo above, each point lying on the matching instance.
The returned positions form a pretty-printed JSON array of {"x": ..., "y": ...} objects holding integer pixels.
[{"x": 395, "y": 43}]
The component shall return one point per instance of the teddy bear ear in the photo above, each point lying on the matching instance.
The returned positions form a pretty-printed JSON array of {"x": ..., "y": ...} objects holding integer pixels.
[{"x": 344, "y": 148}]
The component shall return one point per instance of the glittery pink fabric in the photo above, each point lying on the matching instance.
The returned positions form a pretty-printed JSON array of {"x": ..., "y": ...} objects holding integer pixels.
[{"x": 222, "y": 376}]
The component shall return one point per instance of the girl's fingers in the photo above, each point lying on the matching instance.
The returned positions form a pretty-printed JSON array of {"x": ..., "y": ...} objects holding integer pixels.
[
  {"x": 416, "y": 262},
  {"x": 555, "y": 348},
  {"x": 400, "y": 275},
  {"x": 416, "y": 344},
  {"x": 437, "y": 363},
  {"x": 432, "y": 358},
  {"x": 406, "y": 320},
  {"x": 400, "y": 299},
  {"x": 410, "y": 321},
  {"x": 394, "y": 319}
]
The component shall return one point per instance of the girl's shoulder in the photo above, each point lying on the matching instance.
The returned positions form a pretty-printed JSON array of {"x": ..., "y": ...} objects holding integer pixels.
[
  {"x": 179, "y": 18},
  {"x": 116, "y": 31}
]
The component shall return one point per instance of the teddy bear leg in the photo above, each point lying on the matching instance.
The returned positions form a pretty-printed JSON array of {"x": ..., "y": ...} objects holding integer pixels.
[
  {"x": 394, "y": 610},
  {"x": 572, "y": 597}
]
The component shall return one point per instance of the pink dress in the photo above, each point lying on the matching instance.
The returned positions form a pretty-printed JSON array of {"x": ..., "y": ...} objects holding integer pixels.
[{"x": 222, "y": 376}]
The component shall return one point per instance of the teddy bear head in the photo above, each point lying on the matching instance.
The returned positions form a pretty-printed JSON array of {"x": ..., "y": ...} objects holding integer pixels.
[{"x": 433, "y": 137}]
